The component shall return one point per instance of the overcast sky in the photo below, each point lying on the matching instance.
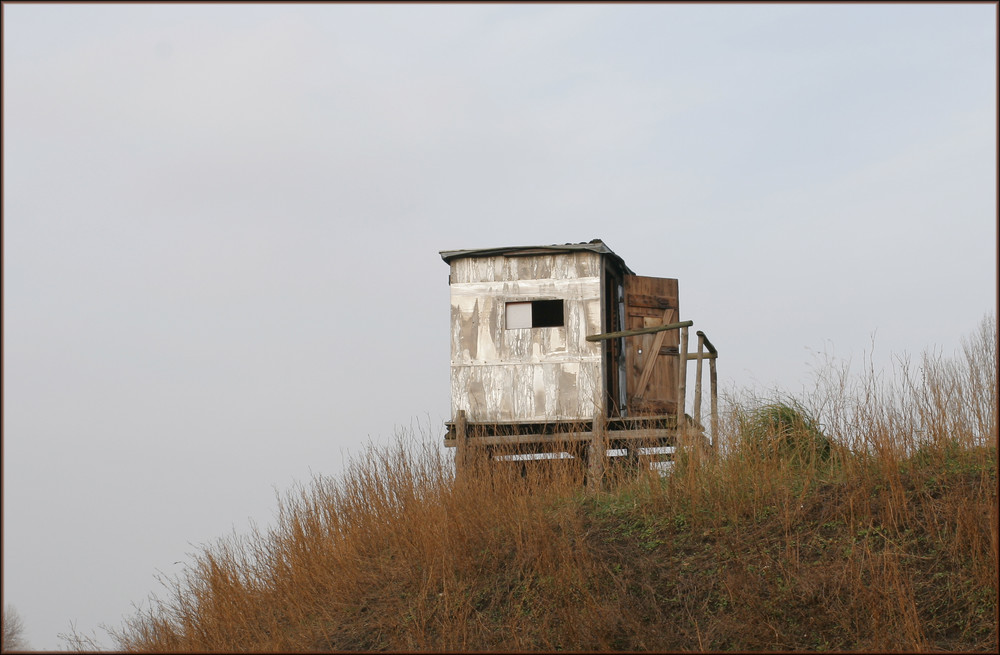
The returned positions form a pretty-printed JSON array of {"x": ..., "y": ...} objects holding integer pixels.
[{"x": 221, "y": 227}]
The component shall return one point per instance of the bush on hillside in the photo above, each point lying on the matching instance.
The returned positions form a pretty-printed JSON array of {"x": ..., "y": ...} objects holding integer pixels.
[{"x": 783, "y": 430}]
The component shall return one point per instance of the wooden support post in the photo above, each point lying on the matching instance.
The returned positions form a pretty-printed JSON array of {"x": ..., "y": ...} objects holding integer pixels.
[
  {"x": 713, "y": 383},
  {"x": 597, "y": 451},
  {"x": 682, "y": 378},
  {"x": 461, "y": 444},
  {"x": 697, "y": 378}
]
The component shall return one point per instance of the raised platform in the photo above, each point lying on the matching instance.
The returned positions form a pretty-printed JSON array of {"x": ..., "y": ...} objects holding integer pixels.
[{"x": 539, "y": 436}]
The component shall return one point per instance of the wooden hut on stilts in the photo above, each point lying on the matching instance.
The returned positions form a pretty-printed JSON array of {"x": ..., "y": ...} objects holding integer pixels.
[{"x": 563, "y": 351}]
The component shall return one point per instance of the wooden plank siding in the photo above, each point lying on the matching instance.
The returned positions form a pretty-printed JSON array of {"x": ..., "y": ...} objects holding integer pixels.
[
  {"x": 652, "y": 373},
  {"x": 525, "y": 374}
]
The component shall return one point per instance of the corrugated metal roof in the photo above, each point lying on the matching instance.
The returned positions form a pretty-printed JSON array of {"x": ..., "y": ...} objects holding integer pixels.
[{"x": 596, "y": 245}]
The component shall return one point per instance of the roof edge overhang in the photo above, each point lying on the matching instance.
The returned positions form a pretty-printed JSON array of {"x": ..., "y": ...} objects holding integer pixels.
[{"x": 596, "y": 245}]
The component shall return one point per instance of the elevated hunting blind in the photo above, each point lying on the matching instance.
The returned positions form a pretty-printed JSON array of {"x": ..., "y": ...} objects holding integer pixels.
[{"x": 553, "y": 344}]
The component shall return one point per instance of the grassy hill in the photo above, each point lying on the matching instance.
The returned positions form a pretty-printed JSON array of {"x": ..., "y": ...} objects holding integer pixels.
[{"x": 873, "y": 530}]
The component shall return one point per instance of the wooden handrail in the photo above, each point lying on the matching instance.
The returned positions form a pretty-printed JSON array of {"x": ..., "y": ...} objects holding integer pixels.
[
  {"x": 633, "y": 333},
  {"x": 708, "y": 344}
]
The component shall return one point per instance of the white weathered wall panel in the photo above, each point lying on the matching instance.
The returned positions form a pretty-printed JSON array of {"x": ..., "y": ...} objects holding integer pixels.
[
  {"x": 527, "y": 392},
  {"x": 527, "y": 374},
  {"x": 479, "y": 333},
  {"x": 559, "y": 266}
]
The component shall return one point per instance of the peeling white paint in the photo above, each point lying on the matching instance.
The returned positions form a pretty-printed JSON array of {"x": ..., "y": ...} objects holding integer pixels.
[{"x": 526, "y": 373}]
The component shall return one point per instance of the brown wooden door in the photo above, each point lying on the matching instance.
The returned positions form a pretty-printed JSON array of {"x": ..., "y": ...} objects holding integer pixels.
[{"x": 651, "y": 360}]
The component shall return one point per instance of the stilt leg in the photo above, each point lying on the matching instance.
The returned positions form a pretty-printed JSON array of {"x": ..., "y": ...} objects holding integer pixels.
[
  {"x": 597, "y": 454},
  {"x": 461, "y": 445}
]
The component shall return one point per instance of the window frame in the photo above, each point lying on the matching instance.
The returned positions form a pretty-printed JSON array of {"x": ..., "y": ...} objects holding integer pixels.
[{"x": 543, "y": 314}]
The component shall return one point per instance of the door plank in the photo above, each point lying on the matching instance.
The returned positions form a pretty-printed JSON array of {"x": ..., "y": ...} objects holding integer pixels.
[{"x": 647, "y": 369}]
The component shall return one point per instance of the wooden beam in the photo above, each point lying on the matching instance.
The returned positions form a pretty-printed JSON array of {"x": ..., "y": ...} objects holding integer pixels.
[
  {"x": 633, "y": 333},
  {"x": 640, "y": 435},
  {"x": 713, "y": 385},
  {"x": 697, "y": 377},
  {"x": 682, "y": 378},
  {"x": 663, "y": 351},
  {"x": 643, "y": 300},
  {"x": 556, "y": 440}
]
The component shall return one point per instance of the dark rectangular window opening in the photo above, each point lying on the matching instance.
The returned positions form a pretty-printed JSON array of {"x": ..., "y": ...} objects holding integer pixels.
[
  {"x": 547, "y": 313},
  {"x": 535, "y": 314}
]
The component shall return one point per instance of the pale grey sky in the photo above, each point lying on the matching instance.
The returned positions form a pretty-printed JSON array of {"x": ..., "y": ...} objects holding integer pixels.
[{"x": 221, "y": 229}]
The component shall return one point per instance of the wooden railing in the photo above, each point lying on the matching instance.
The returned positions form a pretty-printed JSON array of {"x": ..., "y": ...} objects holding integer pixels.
[
  {"x": 713, "y": 383},
  {"x": 703, "y": 345},
  {"x": 593, "y": 439}
]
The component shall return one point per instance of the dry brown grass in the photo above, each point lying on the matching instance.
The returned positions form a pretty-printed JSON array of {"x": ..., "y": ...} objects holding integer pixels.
[{"x": 888, "y": 542}]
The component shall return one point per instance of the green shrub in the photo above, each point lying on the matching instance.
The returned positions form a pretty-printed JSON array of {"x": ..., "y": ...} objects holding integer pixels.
[{"x": 783, "y": 430}]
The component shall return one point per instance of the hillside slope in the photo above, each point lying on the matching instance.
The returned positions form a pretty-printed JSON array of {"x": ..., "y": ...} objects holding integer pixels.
[{"x": 877, "y": 531}]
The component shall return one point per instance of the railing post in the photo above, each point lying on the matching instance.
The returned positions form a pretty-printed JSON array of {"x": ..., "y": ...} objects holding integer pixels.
[
  {"x": 682, "y": 377},
  {"x": 697, "y": 378},
  {"x": 713, "y": 383}
]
